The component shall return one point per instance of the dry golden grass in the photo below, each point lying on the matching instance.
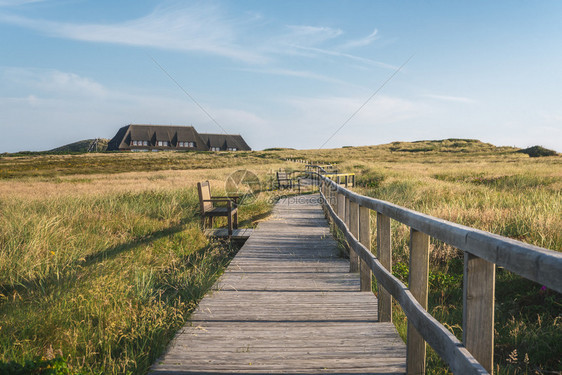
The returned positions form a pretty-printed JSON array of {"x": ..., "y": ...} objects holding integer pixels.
[{"x": 38, "y": 188}]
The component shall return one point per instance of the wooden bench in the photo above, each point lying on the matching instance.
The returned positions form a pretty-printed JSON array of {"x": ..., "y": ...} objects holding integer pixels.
[
  {"x": 209, "y": 210},
  {"x": 286, "y": 181}
]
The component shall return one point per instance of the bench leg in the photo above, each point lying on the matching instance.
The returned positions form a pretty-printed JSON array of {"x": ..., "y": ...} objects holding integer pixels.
[
  {"x": 230, "y": 223},
  {"x": 236, "y": 220}
]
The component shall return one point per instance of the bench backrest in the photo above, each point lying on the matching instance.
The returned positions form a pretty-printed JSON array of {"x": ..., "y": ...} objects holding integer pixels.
[
  {"x": 204, "y": 189},
  {"x": 283, "y": 179}
]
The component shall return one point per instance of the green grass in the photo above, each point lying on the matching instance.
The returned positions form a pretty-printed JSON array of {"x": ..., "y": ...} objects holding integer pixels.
[
  {"x": 100, "y": 266},
  {"x": 53, "y": 165},
  {"x": 496, "y": 189},
  {"x": 103, "y": 281}
]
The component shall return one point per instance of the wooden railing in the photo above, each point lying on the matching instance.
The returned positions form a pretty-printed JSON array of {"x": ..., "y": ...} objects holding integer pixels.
[{"x": 350, "y": 212}]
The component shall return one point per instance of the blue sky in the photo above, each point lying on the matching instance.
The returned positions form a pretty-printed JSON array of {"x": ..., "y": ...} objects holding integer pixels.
[{"x": 282, "y": 73}]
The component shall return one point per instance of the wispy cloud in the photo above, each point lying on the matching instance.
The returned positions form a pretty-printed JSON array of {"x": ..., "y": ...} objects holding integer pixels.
[
  {"x": 32, "y": 101},
  {"x": 297, "y": 73},
  {"x": 311, "y": 35},
  {"x": 13, "y": 3},
  {"x": 449, "y": 98},
  {"x": 201, "y": 28},
  {"x": 53, "y": 82},
  {"x": 361, "y": 42},
  {"x": 326, "y": 52}
]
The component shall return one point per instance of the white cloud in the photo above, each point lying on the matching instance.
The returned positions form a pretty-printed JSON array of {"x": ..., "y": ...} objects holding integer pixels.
[
  {"x": 13, "y": 3},
  {"x": 326, "y": 52},
  {"x": 55, "y": 108},
  {"x": 53, "y": 82},
  {"x": 361, "y": 42},
  {"x": 449, "y": 98},
  {"x": 201, "y": 28},
  {"x": 311, "y": 35}
]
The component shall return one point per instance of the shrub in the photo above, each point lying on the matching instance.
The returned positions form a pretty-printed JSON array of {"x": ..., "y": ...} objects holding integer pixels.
[{"x": 538, "y": 151}]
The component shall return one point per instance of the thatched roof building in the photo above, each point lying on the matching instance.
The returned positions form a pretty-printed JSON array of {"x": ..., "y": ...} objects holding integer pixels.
[
  {"x": 161, "y": 137},
  {"x": 221, "y": 142}
]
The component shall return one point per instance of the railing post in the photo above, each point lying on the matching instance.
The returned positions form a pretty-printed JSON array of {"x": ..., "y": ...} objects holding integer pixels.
[
  {"x": 365, "y": 273},
  {"x": 332, "y": 194},
  {"x": 354, "y": 229},
  {"x": 341, "y": 206},
  {"x": 418, "y": 285},
  {"x": 384, "y": 253},
  {"x": 478, "y": 309}
]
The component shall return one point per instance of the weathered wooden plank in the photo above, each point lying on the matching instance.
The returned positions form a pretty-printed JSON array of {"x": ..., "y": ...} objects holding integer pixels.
[
  {"x": 365, "y": 274},
  {"x": 418, "y": 283},
  {"x": 353, "y": 224},
  {"x": 241, "y": 233},
  {"x": 478, "y": 309},
  {"x": 435, "y": 334},
  {"x": 384, "y": 252},
  {"x": 287, "y": 304}
]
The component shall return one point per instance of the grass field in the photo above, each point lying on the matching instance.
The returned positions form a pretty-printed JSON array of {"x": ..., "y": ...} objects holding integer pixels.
[
  {"x": 102, "y": 269},
  {"x": 102, "y": 258},
  {"x": 475, "y": 184}
]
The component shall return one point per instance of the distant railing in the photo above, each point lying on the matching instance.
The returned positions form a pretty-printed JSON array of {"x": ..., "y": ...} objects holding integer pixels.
[
  {"x": 350, "y": 212},
  {"x": 329, "y": 171}
]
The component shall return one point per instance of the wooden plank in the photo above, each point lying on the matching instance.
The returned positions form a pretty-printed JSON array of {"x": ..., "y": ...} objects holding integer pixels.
[
  {"x": 365, "y": 274},
  {"x": 478, "y": 309},
  {"x": 447, "y": 346},
  {"x": 511, "y": 254},
  {"x": 287, "y": 304},
  {"x": 384, "y": 252},
  {"x": 353, "y": 224},
  {"x": 237, "y": 234},
  {"x": 341, "y": 205},
  {"x": 418, "y": 284}
]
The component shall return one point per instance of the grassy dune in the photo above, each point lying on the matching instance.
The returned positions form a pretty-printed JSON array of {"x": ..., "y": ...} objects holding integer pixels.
[
  {"x": 102, "y": 269},
  {"x": 495, "y": 189},
  {"x": 102, "y": 258}
]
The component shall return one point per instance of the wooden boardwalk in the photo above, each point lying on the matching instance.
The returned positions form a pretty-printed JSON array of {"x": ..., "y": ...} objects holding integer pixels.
[
  {"x": 287, "y": 304},
  {"x": 237, "y": 234}
]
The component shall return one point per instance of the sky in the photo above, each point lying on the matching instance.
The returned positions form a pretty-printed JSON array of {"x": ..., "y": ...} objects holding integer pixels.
[{"x": 302, "y": 74}]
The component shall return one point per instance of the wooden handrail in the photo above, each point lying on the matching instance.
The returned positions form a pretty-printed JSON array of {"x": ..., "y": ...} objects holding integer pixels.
[
  {"x": 483, "y": 250},
  {"x": 513, "y": 255},
  {"x": 436, "y": 335}
]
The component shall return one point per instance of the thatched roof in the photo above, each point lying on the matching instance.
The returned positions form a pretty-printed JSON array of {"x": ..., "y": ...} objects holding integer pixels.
[
  {"x": 225, "y": 141},
  {"x": 164, "y": 137}
]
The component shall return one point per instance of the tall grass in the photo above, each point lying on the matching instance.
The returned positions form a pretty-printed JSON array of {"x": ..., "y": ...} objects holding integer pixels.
[
  {"x": 104, "y": 280},
  {"x": 517, "y": 200},
  {"x": 102, "y": 258}
]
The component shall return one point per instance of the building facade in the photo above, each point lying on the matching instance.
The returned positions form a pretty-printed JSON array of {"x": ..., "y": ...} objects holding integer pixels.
[{"x": 180, "y": 138}]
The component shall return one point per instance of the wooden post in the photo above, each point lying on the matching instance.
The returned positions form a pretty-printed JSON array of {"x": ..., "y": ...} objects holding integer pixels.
[
  {"x": 354, "y": 229},
  {"x": 418, "y": 285},
  {"x": 332, "y": 194},
  {"x": 341, "y": 206},
  {"x": 384, "y": 253},
  {"x": 478, "y": 309},
  {"x": 365, "y": 273}
]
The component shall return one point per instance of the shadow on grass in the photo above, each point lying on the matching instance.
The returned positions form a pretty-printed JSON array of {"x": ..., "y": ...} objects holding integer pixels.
[{"x": 52, "y": 280}]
